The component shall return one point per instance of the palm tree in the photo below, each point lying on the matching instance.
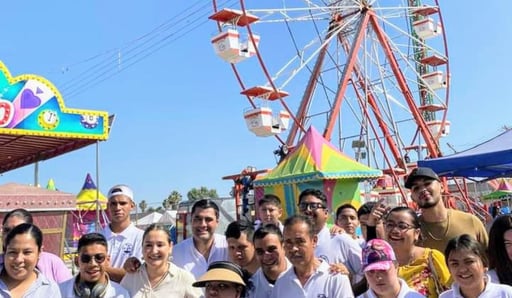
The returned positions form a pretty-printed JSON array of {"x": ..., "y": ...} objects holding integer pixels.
[
  {"x": 203, "y": 192},
  {"x": 172, "y": 200}
]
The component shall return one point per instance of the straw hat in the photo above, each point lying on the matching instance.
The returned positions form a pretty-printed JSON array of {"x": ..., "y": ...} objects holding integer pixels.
[{"x": 221, "y": 271}]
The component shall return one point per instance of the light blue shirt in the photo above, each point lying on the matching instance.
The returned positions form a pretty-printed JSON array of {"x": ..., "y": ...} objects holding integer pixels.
[{"x": 41, "y": 288}]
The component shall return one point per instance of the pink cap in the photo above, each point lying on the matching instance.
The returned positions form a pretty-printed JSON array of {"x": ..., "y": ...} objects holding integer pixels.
[{"x": 378, "y": 255}]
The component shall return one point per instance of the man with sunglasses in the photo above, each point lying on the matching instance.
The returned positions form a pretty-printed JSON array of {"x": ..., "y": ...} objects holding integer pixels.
[
  {"x": 92, "y": 280},
  {"x": 123, "y": 237},
  {"x": 340, "y": 248}
]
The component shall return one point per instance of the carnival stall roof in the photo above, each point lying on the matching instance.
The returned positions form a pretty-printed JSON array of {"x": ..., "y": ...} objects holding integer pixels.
[
  {"x": 89, "y": 195},
  {"x": 13, "y": 195},
  {"x": 35, "y": 125},
  {"x": 49, "y": 209},
  {"x": 315, "y": 163},
  {"x": 489, "y": 160}
]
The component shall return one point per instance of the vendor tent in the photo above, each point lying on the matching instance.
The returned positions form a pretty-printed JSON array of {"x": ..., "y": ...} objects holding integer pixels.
[
  {"x": 168, "y": 218},
  {"x": 315, "y": 163},
  {"x": 153, "y": 217},
  {"x": 489, "y": 160}
]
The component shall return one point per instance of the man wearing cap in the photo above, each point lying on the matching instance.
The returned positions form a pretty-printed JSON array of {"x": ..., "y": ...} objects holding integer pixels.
[
  {"x": 439, "y": 224},
  {"x": 123, "y": 237},
  {"x": 381, "y": 270},
  {"x": 205, "y": 246},
  {"x": 310, "y": 276}
]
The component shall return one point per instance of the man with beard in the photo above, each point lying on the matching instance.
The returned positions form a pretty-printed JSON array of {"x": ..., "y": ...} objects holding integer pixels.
[
  {"x": 310, "y": 275},
  {"x": 123, "y": 238},
  {"x": 340, "y": 248},
  {"x": 241, "y": 249},
  {"x": 268, "y": 243},
  {"x": 439, "y": 224},
  {"x": 205, "y": 247},
  {"x": 92, "y": 279}
]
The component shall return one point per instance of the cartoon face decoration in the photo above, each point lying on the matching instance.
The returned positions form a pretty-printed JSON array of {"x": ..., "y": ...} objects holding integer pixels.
[
  {"x": 89, "y": 121},
  {"x": 48, "y": 119}
]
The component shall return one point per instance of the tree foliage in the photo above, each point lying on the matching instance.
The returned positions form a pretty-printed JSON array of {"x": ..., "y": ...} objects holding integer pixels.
[
  {"x": 202, "y": 192},
  {"x": 143, "y": 206},
  {"x": 172, "y": 201}
]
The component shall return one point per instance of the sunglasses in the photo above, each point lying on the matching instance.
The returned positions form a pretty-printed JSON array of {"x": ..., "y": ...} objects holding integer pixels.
[
  {"x": 311, "y": 206},
  {"x": 98, "y": 258}
]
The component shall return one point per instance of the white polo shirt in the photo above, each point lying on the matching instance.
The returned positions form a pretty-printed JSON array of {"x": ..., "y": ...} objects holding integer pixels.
[
  {"x": 346, "y": 250},
  {"x": 260, "y": 286},
  {"x": 492, "y": 290},
  {"x": 323, "y": 246},
  {"x": 114, "y": 290},
  {"x": 186, "y": 256},
  {"x": 405, "y": 292},
  {"x": 320, "y": 284},
  {"x": 126, "y": 244}
]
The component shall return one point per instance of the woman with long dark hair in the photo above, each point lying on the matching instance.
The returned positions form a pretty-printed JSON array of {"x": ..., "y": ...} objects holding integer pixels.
[{"x": 500, "y": 250}]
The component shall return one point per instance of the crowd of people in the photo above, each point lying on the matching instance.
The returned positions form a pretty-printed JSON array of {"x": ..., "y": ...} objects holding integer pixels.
[{"x": 401, "y": 252}]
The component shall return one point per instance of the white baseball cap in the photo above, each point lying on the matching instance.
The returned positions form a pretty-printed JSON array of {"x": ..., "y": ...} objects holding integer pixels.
[{"x": 120, "y": 189}]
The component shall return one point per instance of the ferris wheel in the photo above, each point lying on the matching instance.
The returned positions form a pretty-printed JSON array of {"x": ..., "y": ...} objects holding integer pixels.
[{"x": 372, "y": 75}]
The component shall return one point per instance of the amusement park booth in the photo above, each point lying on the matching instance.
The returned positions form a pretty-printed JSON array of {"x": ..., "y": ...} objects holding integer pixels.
[
  {"x": 315, "y": 163},
  {"x": 50, "y": 209}
]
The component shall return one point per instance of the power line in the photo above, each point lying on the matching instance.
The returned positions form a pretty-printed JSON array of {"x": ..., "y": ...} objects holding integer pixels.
[{"x": 118, "y": 60}]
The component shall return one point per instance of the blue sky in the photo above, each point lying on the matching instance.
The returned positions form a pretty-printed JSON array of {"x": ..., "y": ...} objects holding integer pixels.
[{"x": 179, "y": 113}]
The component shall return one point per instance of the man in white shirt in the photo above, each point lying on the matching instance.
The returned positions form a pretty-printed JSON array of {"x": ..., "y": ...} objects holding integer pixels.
[
  {"x": 340, "y": 248},
  {"x": 92, "y": 279},
  {"x": 309, "y": 276},
  {"x": 123, "y": 237},
  {"x": 268, "y": 243},
  {"x": 205, "y": 247},
  {"x": 269, "y": 211}
]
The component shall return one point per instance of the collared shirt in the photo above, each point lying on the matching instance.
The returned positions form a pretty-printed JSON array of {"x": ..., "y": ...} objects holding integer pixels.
[
  {"x": 321, "y": 284},
  {"x": 113, "y": 289},
  {"x": 42, "y": 287},
  {"x": 123, "y": 245},
  {"x": 51, "y": 266},
  {"x": 177, "y": 283},
  {"x": 186, "y": 256},
  {"x": 405, "y": 292},
  {"x": 261, "y": 287},
  {"x": 347, "y": 251},
  {"x": 323, "y": 246},
  {"x": 492, "y": 290}
]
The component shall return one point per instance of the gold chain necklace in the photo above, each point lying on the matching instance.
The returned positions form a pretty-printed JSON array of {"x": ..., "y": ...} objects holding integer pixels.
[{"x": 445, "y": 230}]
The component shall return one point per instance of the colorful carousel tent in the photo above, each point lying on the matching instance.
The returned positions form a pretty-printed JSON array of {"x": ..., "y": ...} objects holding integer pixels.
[
  {"x": 504, "y": 190},
  {"x": 315, "y": 163},
  {"x": 86, "y": 216}
]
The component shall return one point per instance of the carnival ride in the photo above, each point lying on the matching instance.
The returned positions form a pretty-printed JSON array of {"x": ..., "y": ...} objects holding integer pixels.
[{"x": 373, "y": 75}]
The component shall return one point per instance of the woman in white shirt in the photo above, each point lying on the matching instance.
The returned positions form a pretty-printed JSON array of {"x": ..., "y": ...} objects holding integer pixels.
[
  {"x": 500, "y": 248},
  {"x": 467, "y": 261},
  {"x": 157, "y": 276}
]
